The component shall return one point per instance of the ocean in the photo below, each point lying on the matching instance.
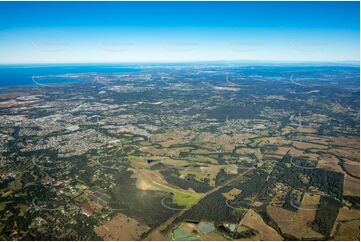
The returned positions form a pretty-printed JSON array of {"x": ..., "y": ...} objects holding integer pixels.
[{"x": 21, "y": 75}]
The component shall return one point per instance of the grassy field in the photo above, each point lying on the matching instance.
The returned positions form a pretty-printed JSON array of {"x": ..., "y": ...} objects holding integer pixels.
[{"x": 180, "y": 197}]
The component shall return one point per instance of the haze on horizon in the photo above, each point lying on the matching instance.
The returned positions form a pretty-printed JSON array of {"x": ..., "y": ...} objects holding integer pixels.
[{"x": 83, "y": 32}]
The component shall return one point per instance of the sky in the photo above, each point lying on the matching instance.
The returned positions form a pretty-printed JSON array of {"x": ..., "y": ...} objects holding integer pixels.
[{"x": 97, "y": 32}]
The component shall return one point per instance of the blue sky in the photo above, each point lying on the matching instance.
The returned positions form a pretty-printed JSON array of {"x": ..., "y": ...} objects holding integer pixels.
[{"x": 69, "y": 32}]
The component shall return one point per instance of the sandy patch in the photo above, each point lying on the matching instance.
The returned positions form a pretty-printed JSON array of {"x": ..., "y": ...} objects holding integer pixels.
[
  {"x": 231, "y": 195},
  {"x": 351, "y": 186},
  {"x": 352, "y": 167},
  {"x": 297, "y": 223},
  {"x": 254, "y": 221},
  {"x": 121, "y": 227},
  {"x": 329, "y": 162},
  {"x": 348, "y": 153}
]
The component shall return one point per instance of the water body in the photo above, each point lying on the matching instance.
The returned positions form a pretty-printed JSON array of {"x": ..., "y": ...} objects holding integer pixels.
[{"x": 21, "y": 75}]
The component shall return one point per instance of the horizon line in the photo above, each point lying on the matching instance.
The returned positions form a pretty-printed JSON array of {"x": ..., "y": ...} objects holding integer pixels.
[{"x": 245, "y": 61}]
